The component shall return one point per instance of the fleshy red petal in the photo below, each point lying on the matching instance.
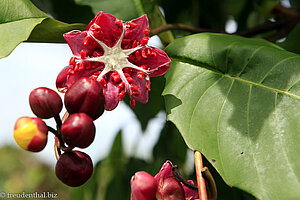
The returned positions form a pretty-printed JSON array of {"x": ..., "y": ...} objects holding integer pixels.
[
  {"x": 164, "y": 172},
  {"x": 143, "y": 96},
  {"x": 111, "y": 94},
  {"x": 75, "y": 41},
  {"x": 110, "y": 28},
  {"x": 93, "y": 20},
  {"x": 137, "y": 33},
  {"x": 189, "y": 193},
  {"x": 158, "y": 64},
  {"x": 61, "y": 80}
]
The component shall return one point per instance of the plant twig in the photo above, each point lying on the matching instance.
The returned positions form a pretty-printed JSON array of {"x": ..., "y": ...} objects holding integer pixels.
[
  {"x": 286, "y": 12},
  {"x": 200, "y": 179},
  {"x": 52, "y": 130},
  {"x": 178, "y": 176},
  {"x": 211, "y": 183},
  {"x": 184, "y": 27},
  {"x": 247, "y": 33},
  {"x": 287, "y": 19},
  {"x": 263, "y": 28},
  {"x": 58, "y": 121},
  {"x": 59, "y": 145}
]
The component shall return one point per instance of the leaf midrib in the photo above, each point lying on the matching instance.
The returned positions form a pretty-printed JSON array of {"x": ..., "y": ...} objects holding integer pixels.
[{"x": 207, "y": 67}]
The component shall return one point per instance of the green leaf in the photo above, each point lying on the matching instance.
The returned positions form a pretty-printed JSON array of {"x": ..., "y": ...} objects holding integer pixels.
[
  {"x": 52, "y": 31},
  {"x": 19, "y": 18},
  {"x": 292, "y": 42},
  {"x": 236, "y": 100},
  {"x": 122, "y": 9},
  {"x": 66, "y": 11}
]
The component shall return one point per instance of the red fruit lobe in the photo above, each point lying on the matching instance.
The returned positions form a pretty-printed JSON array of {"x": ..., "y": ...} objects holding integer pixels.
[
  {"x": 74, "y": 168},
  {"x": 143, "y": 186},
  {"x": 45, "y": 103},
  {"x": 86, "y": 96},
  {"x": 78, "y": 130}
]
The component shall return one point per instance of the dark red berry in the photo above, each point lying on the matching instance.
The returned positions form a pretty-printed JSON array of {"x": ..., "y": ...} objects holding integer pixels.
[
  {"x": 143, "y": 186},
  {"x": 78, "y": 130},
  {"x": 86, "y": 96},
  {"x": 170, "y": 189},
  {"x": 45, "y": 103},
  {"x": 74, "y": 168}
]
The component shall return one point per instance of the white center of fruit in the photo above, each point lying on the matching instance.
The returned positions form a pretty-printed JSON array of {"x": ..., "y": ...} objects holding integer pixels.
[{"x": 115, "y": 59}]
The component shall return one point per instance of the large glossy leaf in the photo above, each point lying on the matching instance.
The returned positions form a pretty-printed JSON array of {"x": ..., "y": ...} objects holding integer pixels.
[
  {"x": 237, "y": 101},
  {"x": 18, "y": 18}
]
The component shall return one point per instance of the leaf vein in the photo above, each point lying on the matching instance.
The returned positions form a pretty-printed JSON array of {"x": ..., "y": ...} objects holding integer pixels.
[
  {"x": 249, "y": 140},
  {"x": 218, "y": 127},
  {"x": 252, "y": 55},
  {"x": 281, "y": 142},
  {"x": 209, "y": 68},
  {"x": 227, "y": 52},
  {"x": 268, "y": 72},
  {"x": 192, "y": 116}
]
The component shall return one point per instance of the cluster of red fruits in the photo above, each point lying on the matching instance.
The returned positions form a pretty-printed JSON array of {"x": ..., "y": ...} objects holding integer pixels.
[
  {"x": 165, "y": 185},
  {"x": 84, "y": 102}
]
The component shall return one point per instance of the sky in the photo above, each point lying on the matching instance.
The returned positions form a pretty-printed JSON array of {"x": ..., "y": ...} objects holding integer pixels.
[{"x": 33, "y": 65}]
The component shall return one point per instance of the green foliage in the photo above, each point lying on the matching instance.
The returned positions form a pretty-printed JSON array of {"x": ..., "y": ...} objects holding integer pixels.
[
  {"x": 122, "y": 9},
  {"x": 292, "y": 42},
  {"x": 236, "y": 100},
  {"x": 19, "y": 18},
  {"x": 66, "y": 11}
]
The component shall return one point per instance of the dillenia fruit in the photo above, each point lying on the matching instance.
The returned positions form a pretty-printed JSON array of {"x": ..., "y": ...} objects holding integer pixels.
[
  {"x": 143, "y": 186},
  {"x": 31, "y": 133},
  {"x": 74, "y": 168},
  {"x": 45, "y": 103},
  {"x": 85, "y": 96},
  {"x": 78, "y": 130},
  {"x": 117, "y": 55}
]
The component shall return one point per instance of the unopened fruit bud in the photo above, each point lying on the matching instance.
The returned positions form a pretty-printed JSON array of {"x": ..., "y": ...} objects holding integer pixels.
[
  {"x": 45, "y": 103},
  {"x": 78, "y": 130},
  {"x": 86, "y": 96},
  {"x": 31, "y": 133},
  {"x": 170, "y": 189},
  {"x": 143, "y": 186},
  {"x": 74, "y": 168}
]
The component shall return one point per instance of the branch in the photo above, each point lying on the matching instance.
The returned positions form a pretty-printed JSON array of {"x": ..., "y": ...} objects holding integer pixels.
[
  {"x": 287, "y": 19},
  {"x": 263, "y": 28},
  {"x": 183, "y": 27},
  {"x": 60, "y": 145},
  {"x": 178, "y": 176},
  {"x": 286, "y": 12}
]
